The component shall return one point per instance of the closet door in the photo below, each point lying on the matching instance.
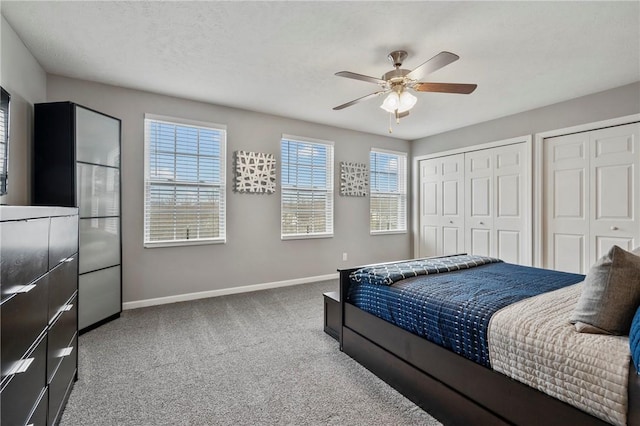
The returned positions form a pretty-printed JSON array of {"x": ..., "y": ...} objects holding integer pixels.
[
  {"x": 479, "y": 205},
  {"x": 591, "y": 196},
  {"x": 496, "y": 182},
  {"x": 615, "y": 162},
  {"x": 442, "y": 206},
  {"x": 511, "y": 209},
  {"x": 566, "y": 165}
]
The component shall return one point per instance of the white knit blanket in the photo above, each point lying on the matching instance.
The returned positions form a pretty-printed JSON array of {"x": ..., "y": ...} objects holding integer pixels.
[{"x": 533, "y": 342}]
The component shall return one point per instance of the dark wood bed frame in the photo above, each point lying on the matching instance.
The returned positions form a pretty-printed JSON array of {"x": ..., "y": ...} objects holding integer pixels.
[{"x": 450, "y": 387}]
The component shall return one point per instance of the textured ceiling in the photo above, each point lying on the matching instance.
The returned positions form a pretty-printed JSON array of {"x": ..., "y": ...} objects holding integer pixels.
[{"x": 280, "y": 57}]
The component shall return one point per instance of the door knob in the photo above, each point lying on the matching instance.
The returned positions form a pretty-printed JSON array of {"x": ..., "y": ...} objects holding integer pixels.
[{"x": 614, "y": 228}]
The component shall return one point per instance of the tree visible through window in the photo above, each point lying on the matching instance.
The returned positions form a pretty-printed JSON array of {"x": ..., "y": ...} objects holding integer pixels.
[
  {"x": 388, "y": 191},
  {"x": 184, "y": 182},
  {"x": 307, "y": 188}
]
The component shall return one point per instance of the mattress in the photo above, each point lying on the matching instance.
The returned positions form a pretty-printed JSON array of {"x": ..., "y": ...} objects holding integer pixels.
[
  {"x": 533, "y": 342},
  {"x": 453, "y": 309}
]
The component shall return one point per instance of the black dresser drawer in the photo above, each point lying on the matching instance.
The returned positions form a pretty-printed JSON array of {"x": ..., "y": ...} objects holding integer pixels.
[
  {"x": 62, "y": 382},
  {"x": 23, "y": 319},
  {"x": 39, "y": 414},
  {"x": 60, "y": 333},
  {"x": 63, "y": 282},
  {"x": 23, "y": 253},
  {"x": 21, "y": 391},
  {"x": 63, "y": 238}
]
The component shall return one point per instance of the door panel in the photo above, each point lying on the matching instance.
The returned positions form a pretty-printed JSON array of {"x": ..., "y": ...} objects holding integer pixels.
[
  {"x": 481, "y": 241},
  {"x": 569, "y": 253},
  {"x": 442, "y": 206},
  {"x": 429, "y": 241},
  {"x": 566, "y": 201},
  {"x": 509, "y": 246}
]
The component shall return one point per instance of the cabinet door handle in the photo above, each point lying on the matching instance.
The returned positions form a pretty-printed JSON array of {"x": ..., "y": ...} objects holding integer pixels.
[
  {"x": 26, "y": 288},
  {"x": 481, "y": 223},
  {"x": 21, "y": 366},
  {"x": 67, "y": 308},
  {"x": 450, "y": 221},
  {"x": 614, "y": 228},
  {"x": 66, "y": 351}
]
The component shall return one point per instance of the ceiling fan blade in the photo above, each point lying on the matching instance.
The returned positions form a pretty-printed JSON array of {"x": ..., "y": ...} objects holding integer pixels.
[
  {"x": 440, "y": 60},
  {"x": 355, "y": 101},
  {"x": 355, "y": 76},
  {"x": 461, "y": 88}
]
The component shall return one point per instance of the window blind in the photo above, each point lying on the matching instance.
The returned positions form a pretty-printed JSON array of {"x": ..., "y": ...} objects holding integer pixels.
[
  {"x": 184, "y": 182},
  {"x": 306, "y": 188},
  {"x": 4, "y": 130},
  {"x": 388, "y": 183}
]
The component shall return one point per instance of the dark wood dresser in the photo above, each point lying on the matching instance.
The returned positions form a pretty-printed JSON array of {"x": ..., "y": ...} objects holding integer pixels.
[{"x": 39, "y": 312}]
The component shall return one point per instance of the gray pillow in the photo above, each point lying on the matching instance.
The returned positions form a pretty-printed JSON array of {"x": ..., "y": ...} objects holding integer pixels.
[{"x": 610, "y": 294}]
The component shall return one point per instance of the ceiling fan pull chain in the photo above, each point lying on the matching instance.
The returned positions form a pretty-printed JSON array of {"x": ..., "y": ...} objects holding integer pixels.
[{"x": 390, "y": 123}]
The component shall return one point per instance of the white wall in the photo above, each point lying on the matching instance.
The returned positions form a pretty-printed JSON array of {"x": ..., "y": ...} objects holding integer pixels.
[
  {"x": 613, "y": 103},
  {"x": 25, "y": 80},
  {"x": 254, "y": 253}
]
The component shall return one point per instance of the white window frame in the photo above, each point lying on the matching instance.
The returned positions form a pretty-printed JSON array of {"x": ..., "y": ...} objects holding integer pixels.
[
  {"x": 221, "y": 239},
  {"x": 329, "y": 189},
  {"x": 401, "y": 193}
]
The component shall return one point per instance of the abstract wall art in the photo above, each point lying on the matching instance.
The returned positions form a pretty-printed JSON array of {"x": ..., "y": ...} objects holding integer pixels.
[
  {"x": 354, "y": 179},
  {"x": 255, "y": 172}
]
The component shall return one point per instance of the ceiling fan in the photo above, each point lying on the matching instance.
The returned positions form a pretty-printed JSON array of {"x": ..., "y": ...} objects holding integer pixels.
[{"x": 398, "y": 82}]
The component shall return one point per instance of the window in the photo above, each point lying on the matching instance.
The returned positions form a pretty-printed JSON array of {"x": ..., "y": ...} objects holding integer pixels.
[
  {"x": 388, "y": 183},
  {"x": 184, "y": 186},
  {"x": 307, "y": 188}
]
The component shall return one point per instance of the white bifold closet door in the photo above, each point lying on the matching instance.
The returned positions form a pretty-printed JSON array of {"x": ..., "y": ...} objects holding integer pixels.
[
  {"x": 591, "y": 196},
  {"x": 496, "y": 204},
  {"x": 441, "y": 206}
]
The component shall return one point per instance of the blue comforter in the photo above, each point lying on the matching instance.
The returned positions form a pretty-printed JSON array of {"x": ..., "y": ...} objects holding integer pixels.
[{"x": 453, "y": 309}]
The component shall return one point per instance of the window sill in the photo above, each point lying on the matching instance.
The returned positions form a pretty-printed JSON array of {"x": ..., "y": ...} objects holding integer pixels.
[
  {"x": 181, "y": 243},
  {"x": 304, "y": 236},
  {"x": 387, "y": 232}
]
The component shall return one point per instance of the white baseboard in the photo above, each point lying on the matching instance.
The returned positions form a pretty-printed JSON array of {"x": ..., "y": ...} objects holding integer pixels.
[{"x": 223, "y": 292}]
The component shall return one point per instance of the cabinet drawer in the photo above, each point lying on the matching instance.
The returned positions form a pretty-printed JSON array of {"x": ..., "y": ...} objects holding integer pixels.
[
  {"x": 99, "y": 296},
  {"x": 23, "y": 318},
  {"x": 63, "y": 238},
  {"x": 39, "y": 414},
  {"x": 60, "y": 386},
  {"x": 23, "y": 253},
  {"x": 99, "y": 243},
  {"x": 60, "y": 333},
  {"x": 63, "y": 282},
  {"x": 21, "y": 391}
]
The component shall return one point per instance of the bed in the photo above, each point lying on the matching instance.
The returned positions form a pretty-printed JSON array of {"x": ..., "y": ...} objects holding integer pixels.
[{"x": 456, "y": 382}]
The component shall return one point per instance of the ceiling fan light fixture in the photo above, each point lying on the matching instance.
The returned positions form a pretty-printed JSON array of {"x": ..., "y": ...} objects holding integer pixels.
[
  {"x": 391, "y": 102},
  {"x": 402, "y": 102},
  {"x": 407, "y": 101}
]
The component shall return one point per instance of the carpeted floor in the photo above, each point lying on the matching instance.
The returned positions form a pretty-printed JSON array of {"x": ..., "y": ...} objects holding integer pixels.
[{"x": 257, "y": 358}]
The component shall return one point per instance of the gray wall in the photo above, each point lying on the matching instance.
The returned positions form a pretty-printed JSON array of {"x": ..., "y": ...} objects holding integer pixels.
[
  {"x": 613, "y": 103},
  {"x": 254, "y": 253},
  {"x": 25, "y": 80}
]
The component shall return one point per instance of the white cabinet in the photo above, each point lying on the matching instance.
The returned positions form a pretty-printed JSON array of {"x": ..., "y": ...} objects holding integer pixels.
[{"x": 591, "y": 199}]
